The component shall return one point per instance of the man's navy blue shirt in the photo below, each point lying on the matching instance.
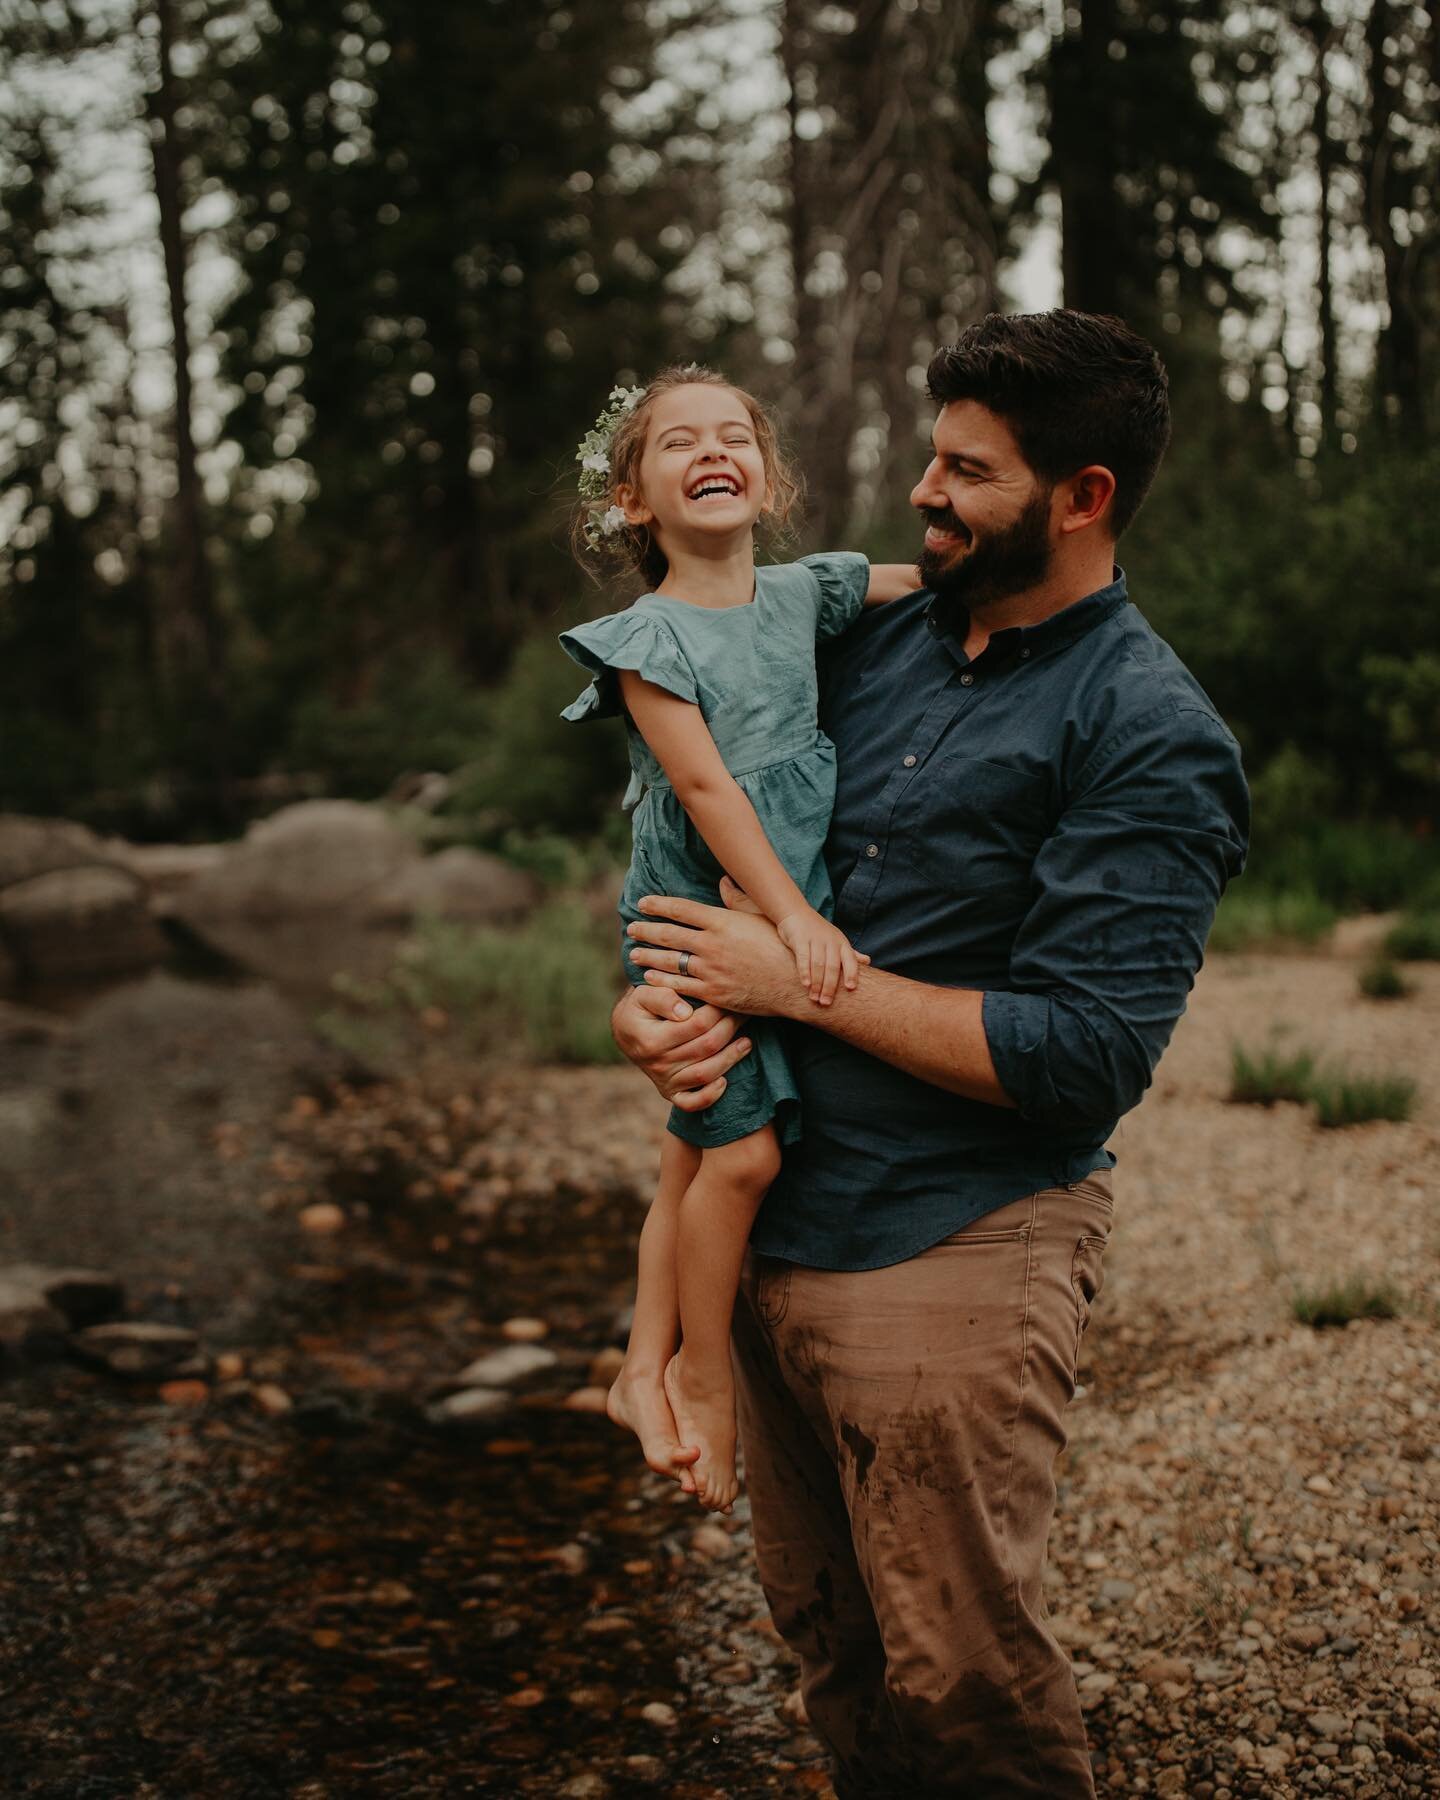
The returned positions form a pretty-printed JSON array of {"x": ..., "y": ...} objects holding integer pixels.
[{"x": 1052, "y": 823}]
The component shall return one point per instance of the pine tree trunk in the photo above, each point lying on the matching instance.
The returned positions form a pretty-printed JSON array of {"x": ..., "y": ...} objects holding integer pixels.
[
  {"x": 1325, "y": 275},
  {"x": 1082, "y": 154},
  {"x": 1398, "y": 372},
  {"x": 194, "y": 615}
]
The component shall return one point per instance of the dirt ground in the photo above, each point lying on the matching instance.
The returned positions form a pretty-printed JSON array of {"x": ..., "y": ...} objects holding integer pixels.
[{"x": 1245, "y": 1561}]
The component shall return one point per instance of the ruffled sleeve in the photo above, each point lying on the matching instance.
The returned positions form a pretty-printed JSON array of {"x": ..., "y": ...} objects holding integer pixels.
[
  {"x": 624, "y": 640},
  {"x": 844, "y": 578}
]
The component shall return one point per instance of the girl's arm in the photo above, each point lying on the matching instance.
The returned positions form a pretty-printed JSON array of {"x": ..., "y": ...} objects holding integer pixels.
[
  {"x": 724, "y": 817},
  {"x": 891, "y": 581}
]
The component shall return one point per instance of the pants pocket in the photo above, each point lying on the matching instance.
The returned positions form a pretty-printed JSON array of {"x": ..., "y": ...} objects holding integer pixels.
[{"x": 1086, "y": 1280}]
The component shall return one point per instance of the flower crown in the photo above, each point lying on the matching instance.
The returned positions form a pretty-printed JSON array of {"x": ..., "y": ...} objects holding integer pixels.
[{"x": 593, "y": 457}]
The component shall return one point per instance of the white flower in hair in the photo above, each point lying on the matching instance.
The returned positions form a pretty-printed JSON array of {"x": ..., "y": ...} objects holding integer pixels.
[
  {"x": 597, "y": 460},
  {"x": 613, "y": 520}
]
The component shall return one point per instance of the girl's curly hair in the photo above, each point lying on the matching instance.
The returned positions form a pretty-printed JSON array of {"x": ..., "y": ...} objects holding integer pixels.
[{"x": 635, "y": 547}]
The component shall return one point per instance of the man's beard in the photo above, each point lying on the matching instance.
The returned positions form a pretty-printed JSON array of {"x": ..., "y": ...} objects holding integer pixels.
[{"x": 1005, "y": 563}]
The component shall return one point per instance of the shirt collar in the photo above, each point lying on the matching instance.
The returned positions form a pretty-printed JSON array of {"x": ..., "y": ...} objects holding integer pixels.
[{"x": 1060, "y": 629}]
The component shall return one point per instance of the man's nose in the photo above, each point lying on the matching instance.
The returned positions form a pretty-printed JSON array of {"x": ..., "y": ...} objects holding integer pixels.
[{"x": 927, "y": 491}]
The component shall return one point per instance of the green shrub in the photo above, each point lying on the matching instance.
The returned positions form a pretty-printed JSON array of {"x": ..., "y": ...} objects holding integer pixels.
[
  {"x": 1341, "y": 1302},
  {"x": 1357, "y": 1099},
  {"x": 1262, "y": 1078},
  {"x": 1416, "y": 938},
  {"x": 543, "y": 991},
  {"x": 1250, "y": 918},
  {"x": 1380, "y": 979}
]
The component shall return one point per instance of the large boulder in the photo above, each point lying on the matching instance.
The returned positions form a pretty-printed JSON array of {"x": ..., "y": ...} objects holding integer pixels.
[
  {"x": 79, "y": 923},
  {"x": 36, "y": 846},
  {"x": 317, "y": 857},
  {"x": 458, "y": 884}
]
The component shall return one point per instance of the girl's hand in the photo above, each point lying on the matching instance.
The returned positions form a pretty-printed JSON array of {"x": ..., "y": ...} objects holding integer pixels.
[{"x": 822, "y": 954}]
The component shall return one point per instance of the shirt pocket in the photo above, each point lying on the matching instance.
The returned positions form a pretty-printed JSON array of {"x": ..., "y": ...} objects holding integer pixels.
[{"x": 973, "y": 827}]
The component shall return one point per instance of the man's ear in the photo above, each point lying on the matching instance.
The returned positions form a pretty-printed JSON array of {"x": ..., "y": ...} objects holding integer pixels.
[
  {"x": 1085, "y": 496},
  {"x": 632, "y": 503}
]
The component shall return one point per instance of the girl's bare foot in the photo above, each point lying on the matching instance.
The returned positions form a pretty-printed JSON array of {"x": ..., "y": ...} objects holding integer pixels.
[
  {"x": 704, "y": 1414},
  {"x": 640, "y": 1405}
]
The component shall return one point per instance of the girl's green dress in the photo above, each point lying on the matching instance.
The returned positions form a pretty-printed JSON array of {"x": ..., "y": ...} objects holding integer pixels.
[{"x": 751, "y": 671}]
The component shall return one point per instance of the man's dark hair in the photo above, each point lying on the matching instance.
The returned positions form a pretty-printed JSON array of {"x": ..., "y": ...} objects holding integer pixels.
[{"x": 1075, "y": 388}]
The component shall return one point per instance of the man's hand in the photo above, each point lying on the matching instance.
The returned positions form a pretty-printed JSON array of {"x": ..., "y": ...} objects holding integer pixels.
[
  {"x": 685, "y": 1049},
  {"x": 737, "y": 961}
]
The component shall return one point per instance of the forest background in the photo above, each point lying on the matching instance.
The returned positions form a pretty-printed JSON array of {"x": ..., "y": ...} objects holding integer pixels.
[{"x": 305, "y": 304}]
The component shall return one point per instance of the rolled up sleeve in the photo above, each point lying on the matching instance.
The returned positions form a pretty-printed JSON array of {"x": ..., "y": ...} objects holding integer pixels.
[{"x": 1126, "y": 887}]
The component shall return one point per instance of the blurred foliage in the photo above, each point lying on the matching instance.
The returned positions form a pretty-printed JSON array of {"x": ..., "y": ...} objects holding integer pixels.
[
  {"x": 1261, "y": 1077},
  {"x": 1359, "y": 1297},
  {"x": 1417, "y": 937},
  {"x": 1342, "y": 1099},
  {"x": 1381, "y": 979},
  {"x": 544, "y": 990}
]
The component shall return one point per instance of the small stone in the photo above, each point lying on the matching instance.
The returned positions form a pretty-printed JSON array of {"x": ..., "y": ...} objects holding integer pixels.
[
  {"x": 1171, "y": 1780},
  {"x": 271, "y": 1398},
  {"x": 645, "y": 1768},
  {"x": 469, "y": 1405},
  {"x": 1117, "y": 1591},
  {"x": 1094, "y": 1687},
  {"x": 574, "y": 1559},
  {"x": 184, "y": 1393},
  {"x": 588, "y": 1399},
  {"x": 1304, "y": 1634},
  {"x": 605, "y": 1365},
  {"x": 525, "y": 1697},
  {"x": 585, "y": 1787},
  {"x": 1327, "y": 1724},
  {"x": 229, "y": 1366},
  {"x": 323, "y": 1218},
  {"x": 1273, "y": 1758},
  {"x": 1407, "y": 1600},
  {"x": 136, "y": 1346},
  {"x": 711, "y": 1542},
  {"x": 1392, "y": 1506},
  {"x": 738, "y": 1673},
  {"x": 525, "y": 1331},
  {"x": 661, "y": 1715},
  {"x": 1320, "y": 1484},
  {"x": 514, "y": 1363},
  {"x": 1164, "y": 1668}
]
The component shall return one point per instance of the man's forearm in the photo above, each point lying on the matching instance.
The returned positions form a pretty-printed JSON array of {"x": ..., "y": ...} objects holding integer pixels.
[{"x": 935, "y": 1033}]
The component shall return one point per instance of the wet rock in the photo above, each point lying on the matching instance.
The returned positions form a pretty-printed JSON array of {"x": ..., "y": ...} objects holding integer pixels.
[
  {"x": 84, "y": 1296},
  {"x": 501, "y": 1367},
  {"x": 30, "y": 1328},
  {"x": 135, "y": 1347},
  {"x": 469, "y": 1407}
]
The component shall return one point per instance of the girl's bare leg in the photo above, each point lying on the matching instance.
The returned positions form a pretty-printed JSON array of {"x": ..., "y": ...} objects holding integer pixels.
[
  {"x": 716, "y": 1214},
  {"x": 637, "y": 1399}
]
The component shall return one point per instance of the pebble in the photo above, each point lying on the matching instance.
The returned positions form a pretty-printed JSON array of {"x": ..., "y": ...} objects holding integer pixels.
[
  {"x": 661, "y": 1715},
  {"x": 1164, "y": 1668},
  {"x": 605, "y": 1365},
  {"x": 229, "y": 1366},
  {"x": 585, "y": 1787},
  {"x": 1328, "y": 1724},
  {"x": 588, "y": 1399},
  {"x": 323, "y": 1218},
  {"x": 469, "y": 1405},
  {"x": 501, "y": 1367},
  {"x": 712, "y": 1542},
  {"x": 184, "y": 1393},
  {"x": 525, "y": 1331},
  {"x": 1171, "y": 1780},
  {"x": 645, "y": 1768},
  {"x": 272, "y": 1398},
  {"x": 1305, "y": 1635}
]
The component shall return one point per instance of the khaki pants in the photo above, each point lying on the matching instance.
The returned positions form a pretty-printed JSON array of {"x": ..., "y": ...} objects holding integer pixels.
[{"x": 900, "y": 1428}]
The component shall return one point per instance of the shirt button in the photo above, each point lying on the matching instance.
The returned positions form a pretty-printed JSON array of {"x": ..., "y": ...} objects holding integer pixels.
[
  {"x": 872, "y": 849},
  {"x": 910, "y": 762},
  {"x": 967, "y": 681},
  {"x": 1024, "y": 652}
]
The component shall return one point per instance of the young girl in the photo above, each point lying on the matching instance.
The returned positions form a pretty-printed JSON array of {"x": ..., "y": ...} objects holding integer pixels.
[{"x": 714, "y": 669}]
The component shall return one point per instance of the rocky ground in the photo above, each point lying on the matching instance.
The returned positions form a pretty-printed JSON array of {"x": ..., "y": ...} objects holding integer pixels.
[{"x": 387, "y": 1587}]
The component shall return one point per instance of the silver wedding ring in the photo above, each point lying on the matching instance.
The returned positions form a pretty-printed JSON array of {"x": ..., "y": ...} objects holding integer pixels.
[{"x": 684, "y": 968}]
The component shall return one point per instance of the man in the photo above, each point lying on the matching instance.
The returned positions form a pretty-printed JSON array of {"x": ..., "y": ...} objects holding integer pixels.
[{"x": 1038, "y": 810}]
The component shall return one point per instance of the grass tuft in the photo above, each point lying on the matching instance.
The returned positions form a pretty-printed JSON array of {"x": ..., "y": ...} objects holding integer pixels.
[
  {"x": 1341, "y": 1302},
  {"x": 1416, "y": 938},
  {"x": 1256, "y": 919},
  {"x": 1380, "y": 979},
  {"x": 1260, "y": 1078},
  {"x": 1357, "y": 1099}
]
